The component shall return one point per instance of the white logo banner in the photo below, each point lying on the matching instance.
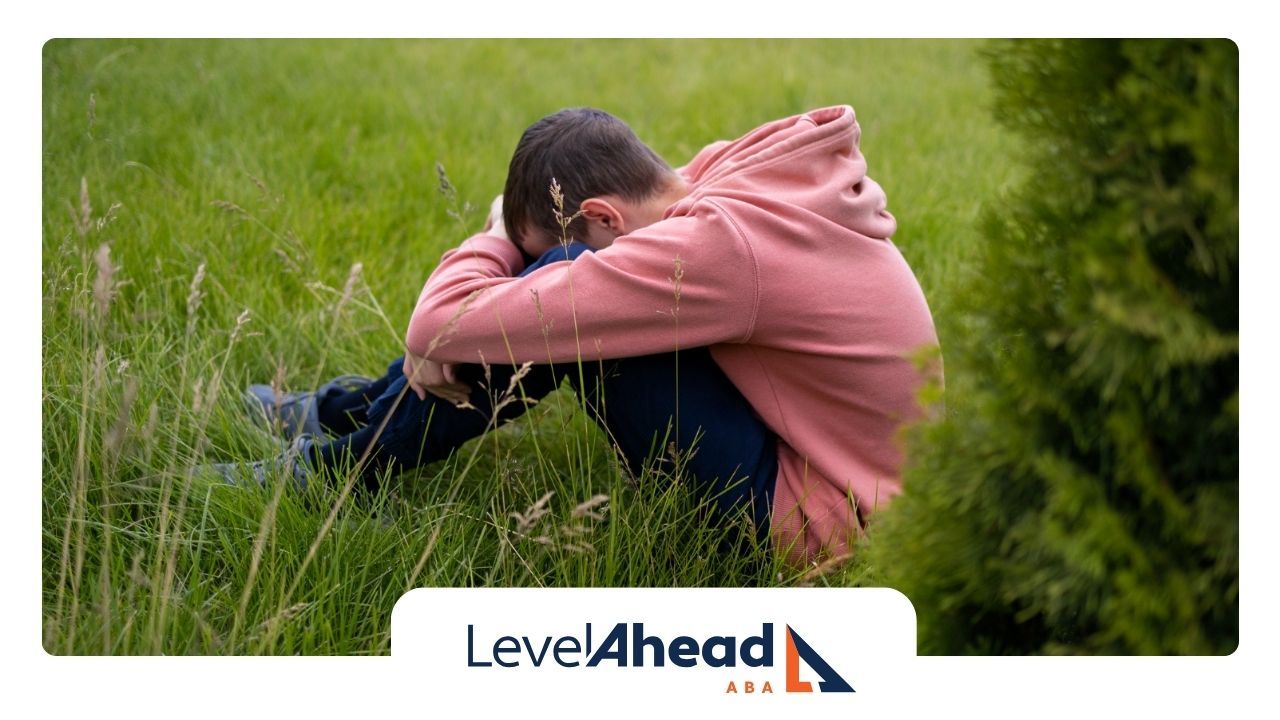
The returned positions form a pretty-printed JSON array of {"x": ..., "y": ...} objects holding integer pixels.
[{"x": 676, "y": 649}]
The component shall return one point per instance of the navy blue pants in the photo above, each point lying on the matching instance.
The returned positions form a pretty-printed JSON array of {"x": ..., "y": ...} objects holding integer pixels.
[{"x": 725, "y": 451}]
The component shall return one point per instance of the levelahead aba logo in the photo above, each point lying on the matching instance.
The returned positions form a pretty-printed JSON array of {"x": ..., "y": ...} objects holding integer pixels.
[{"x": 627, "y": 645}]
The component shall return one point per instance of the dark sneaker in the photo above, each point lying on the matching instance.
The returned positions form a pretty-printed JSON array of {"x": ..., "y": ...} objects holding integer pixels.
[
  {"x": 293, "y": 462},
  {"x": 296, "y": 413}
]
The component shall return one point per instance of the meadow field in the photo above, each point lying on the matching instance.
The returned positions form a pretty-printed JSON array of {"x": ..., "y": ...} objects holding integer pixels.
[{"x": 217, "y": 213}]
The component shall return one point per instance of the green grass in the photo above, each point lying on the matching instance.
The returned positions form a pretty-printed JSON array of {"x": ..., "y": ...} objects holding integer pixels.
[{"x": 276, "y": 166}]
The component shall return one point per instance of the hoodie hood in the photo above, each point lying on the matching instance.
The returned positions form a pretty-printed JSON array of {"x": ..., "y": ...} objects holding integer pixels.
[{"x": 810, "y": 162}]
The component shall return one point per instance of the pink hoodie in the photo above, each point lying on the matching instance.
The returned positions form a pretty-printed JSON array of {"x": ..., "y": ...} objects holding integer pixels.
[{"x": 788, "y": 275}]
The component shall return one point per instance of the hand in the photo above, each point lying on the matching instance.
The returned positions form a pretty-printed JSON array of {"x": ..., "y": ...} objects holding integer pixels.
[
  {"x": 426, "y": 376},
  {"x": 494, "y": 224}
]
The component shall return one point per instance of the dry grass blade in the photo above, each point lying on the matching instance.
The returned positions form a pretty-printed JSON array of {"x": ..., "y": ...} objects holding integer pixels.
[
  {"x": 116, "y": 435},
  {"x": 272, "y": 624},
  {"x": 255, "y": 560},
  {"x": 826, "y": 567},
  {"x": 677, "y": 281},
  {"x": 450, "y": 327}
]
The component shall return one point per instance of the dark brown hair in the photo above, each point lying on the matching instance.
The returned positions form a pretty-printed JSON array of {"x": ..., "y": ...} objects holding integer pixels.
[{"x": 589, "y": 153}]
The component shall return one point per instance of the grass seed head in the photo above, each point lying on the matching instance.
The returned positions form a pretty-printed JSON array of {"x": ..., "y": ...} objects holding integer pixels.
[
  {"x": 195, "y": 295},
  {"x": 103, "y": 284},
  {"x": 153, "y": 418},
  {"x": 86, "y": 208},
  {"x": 108, "y": 216},
  {"x": 529, "y": 518},
  {"x": 241, "y": 320},
  {"x": 115, "y": 437},
  {"x": 349, "y": 288},
  {"x": 557, "y": 204},
  {"x": 592, "y": 507},
  {"x": 228, "y": 206}
]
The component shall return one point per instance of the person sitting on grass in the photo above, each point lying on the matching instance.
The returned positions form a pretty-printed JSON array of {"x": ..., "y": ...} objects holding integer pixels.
[{"x": 751, "y": 300}]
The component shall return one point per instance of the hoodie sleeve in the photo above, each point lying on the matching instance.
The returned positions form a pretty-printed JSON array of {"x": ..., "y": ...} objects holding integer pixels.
[{"x": 683, "y": 282}]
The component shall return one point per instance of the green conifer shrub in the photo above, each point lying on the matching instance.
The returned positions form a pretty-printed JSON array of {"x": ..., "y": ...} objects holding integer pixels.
[{"x": 1080, "y": 494}]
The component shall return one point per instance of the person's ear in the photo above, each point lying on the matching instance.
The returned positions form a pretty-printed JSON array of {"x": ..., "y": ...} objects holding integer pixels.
[{"x": 604, "y": 215}]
